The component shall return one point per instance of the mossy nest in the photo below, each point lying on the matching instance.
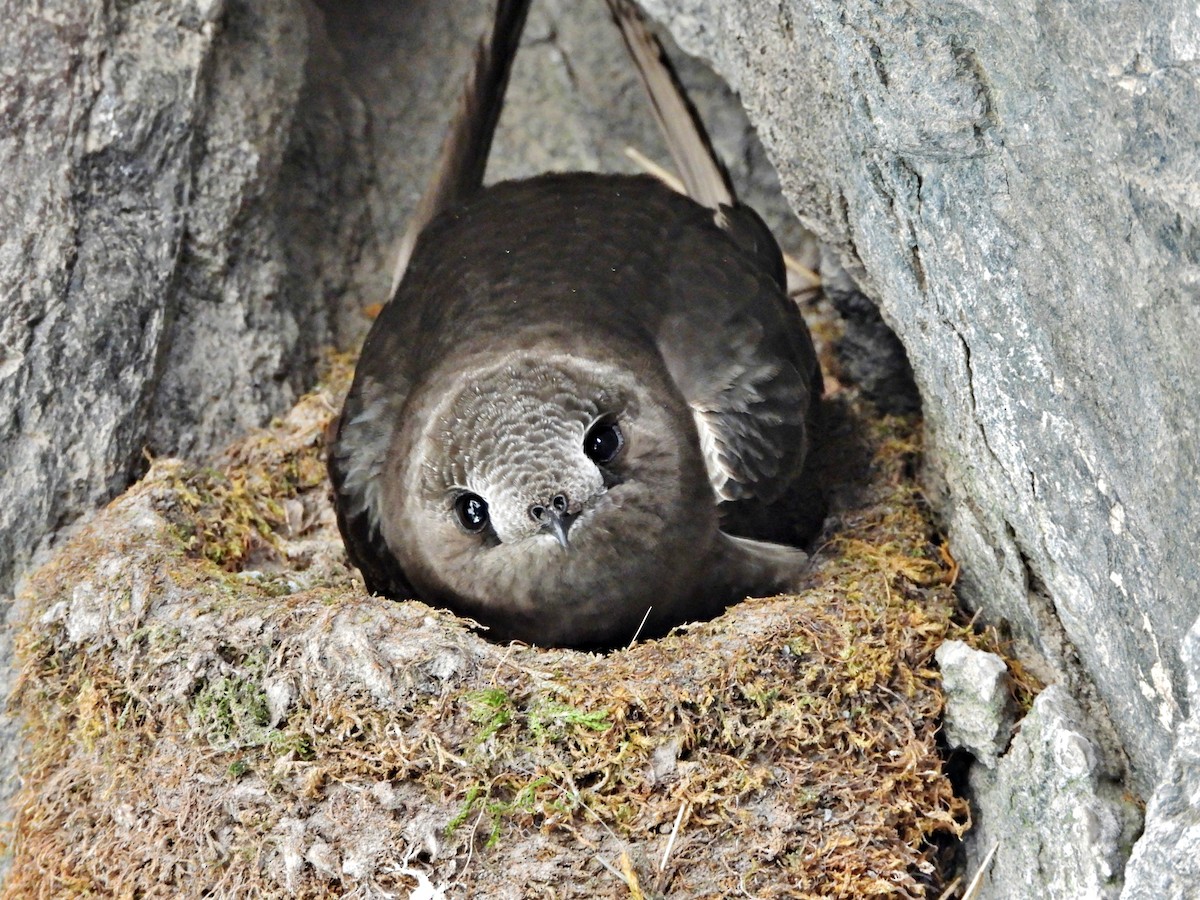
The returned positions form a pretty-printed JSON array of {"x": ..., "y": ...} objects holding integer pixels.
[{"x": 214, "y": 707}]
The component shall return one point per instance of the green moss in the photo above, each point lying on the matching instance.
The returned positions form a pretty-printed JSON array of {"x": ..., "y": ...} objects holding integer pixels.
[
  {"x": 552, "y": 720},
  {"x": 232, "y": 713},
  {"x": 491, "y": 709},
  {"x": 794, "y": 740}
]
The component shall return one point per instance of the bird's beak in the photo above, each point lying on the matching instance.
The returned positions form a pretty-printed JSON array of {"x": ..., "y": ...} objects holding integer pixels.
[{"x": 558, "y": 524}]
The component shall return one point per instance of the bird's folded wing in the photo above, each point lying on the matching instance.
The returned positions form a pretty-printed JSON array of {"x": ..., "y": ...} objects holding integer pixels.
[
  {"x": 356, "y": 459},
  {"x": 464, "y": 152},
  {"x": 734, "y": 344},
  {"x": 703, "y": 176},
  {"x": 747, "y": 368}
]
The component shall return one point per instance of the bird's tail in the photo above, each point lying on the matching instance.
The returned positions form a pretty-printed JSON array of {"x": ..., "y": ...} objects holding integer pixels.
[
  {"x": 464, "y": 153},
  {"x": 703, "y": 176}
]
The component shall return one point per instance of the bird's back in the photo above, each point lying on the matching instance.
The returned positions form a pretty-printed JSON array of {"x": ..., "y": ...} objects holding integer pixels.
[
  {"x": 600, "y": 257},
  {"x": 575, "y": 252}
]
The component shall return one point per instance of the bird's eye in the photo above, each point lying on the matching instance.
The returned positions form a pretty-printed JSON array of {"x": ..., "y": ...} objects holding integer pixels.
[
  {"x": 472, "y": 512},
  {"x": 603, "y": 442}
]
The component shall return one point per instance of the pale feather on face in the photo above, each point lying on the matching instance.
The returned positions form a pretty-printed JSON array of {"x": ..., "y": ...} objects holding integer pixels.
[{"x": 515, "y": 436}]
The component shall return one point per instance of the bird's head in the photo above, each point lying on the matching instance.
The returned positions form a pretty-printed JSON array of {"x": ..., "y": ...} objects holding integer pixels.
[
  {"x": 525, "y": 452},
  {"x": 548, "y": 485}
]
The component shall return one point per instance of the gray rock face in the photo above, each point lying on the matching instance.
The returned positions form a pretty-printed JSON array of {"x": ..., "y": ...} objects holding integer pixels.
[
  {"x": 95, "y": 175},
  {"x": 1166, "y": 861},
  {"x": 1015, "y": 185},
  {"x": 144, "y": 259},
  {"x": 979, "y": 713},
  {"x": 1065, "y": 829}
]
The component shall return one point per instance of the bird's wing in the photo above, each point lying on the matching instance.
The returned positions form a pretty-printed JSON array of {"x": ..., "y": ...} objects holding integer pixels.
[
  {"x": 704, "y": 178},
  {"x": 464, "y": 152},
  {"x": 357, "y": 455},
  {"x": 735, "y": 345},
  {"x": 741, "y": 356}
]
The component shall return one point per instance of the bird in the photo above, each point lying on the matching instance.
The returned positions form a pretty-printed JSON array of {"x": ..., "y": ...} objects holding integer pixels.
[{"x": 577, "y": 376}]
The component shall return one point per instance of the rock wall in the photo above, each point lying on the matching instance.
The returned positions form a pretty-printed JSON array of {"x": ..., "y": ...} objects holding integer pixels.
[{"x": 144, "y": 262}]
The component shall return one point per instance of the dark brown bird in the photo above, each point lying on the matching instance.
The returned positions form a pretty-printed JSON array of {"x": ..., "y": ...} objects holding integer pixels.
[{"x": 576, "y": 373}]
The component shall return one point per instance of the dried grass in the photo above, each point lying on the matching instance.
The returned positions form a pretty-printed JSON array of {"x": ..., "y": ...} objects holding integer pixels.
[{"x": 214, "y": 707}]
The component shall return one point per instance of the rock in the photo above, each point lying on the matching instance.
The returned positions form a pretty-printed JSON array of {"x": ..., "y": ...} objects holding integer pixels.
[
  {"x": 1054, "y": 809},
  {"x": 952, "y": 152},
  {"x": 145, "y": 265},
  {"x": 1166, "y": 859},
  {"x": 868, "y": 351},
  {"x": 979, "y": 713}
]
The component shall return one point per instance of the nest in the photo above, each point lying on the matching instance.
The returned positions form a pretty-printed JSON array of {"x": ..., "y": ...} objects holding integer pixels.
[{"x": 213, "y": 706}]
